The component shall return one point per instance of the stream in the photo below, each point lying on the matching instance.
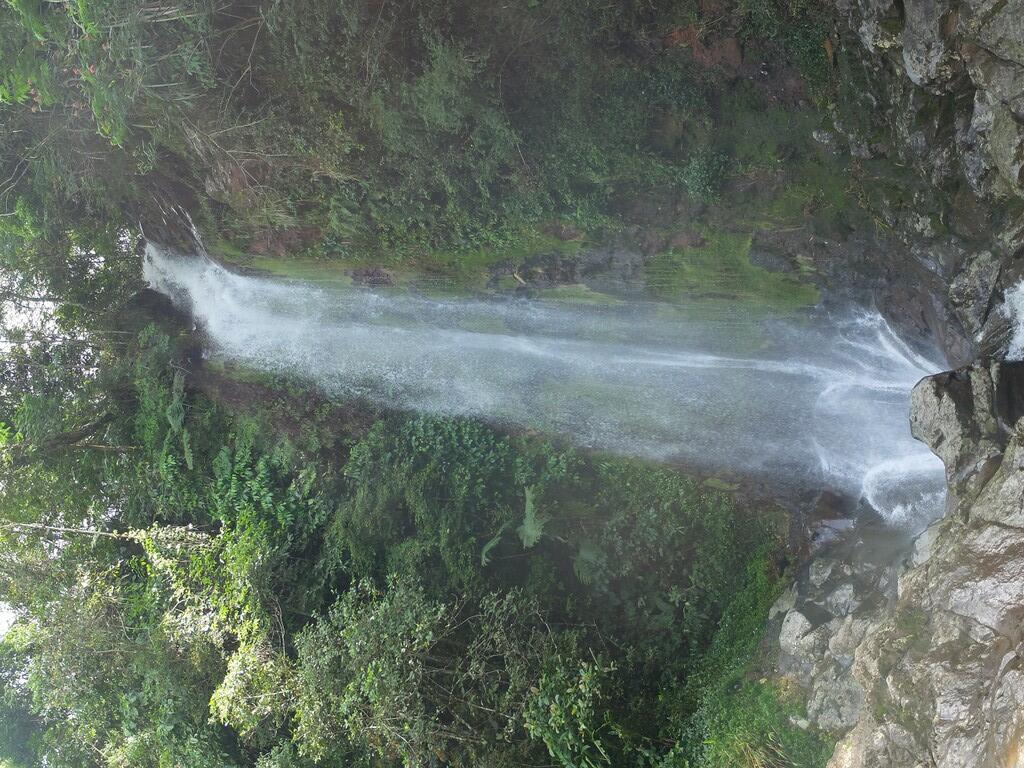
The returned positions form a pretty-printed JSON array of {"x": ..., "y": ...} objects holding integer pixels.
[{"x": 821, "y": 400}]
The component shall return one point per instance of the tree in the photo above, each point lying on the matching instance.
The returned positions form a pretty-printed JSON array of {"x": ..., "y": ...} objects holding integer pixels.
[{"x": 417, "y": 680}]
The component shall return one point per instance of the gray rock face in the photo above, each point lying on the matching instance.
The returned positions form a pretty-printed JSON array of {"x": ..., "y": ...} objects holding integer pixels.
[
  {"x": 943, "y": 82},
  {"x": 958, "y": 51},
  {"x": 822, "y": 621},
  {"x": 912, "y": 656},
  {"x": 930, "y": 675},
  {"x": 929, "y": 56},
  {"x": 973, "y": 290},
  {"x": 966, "y": 417}
]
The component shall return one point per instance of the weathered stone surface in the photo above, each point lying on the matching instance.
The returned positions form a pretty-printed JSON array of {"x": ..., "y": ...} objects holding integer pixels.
[
  {"x": 1004, "y": 80},
  {"x": 794, "y": 629},
  {"x": 1000, "y": 137},
  {"x": 996, "y": 25},
  {"x": 933, "y": 676},
  {"x": 966, "y": 416},
  {"x": 972, "y": 291},
  {"x": 950, "y": 54},
  {"x": 836, "y": 701},
  {"x": 929, "y": 55}
]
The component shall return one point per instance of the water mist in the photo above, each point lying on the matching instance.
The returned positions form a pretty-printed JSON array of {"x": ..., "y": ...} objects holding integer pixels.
[{"x": 822, "y": 401}]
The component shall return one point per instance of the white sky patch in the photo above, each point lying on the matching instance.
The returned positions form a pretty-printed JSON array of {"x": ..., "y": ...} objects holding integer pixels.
[
  {"x": 1014, "y": 308},
  {"x": 18, "y": 315},
  {"x": 7, "y": 618}
]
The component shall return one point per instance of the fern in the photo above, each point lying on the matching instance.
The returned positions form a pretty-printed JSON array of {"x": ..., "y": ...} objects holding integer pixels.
[
  {"x": 589, "y": 565},
  {"x": 176, "y": 410},
  {"x": 186, "y": 448},
  {"x": 532, "y": 529},
  {"x": 485, "y": 553}
]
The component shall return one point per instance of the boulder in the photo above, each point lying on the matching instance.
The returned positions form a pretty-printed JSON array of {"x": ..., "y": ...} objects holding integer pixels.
[{"x": 966, "y": 417}]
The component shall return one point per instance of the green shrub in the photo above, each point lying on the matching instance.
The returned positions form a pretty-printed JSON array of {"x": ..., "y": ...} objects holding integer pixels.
[{"x": 738, "y": 720}]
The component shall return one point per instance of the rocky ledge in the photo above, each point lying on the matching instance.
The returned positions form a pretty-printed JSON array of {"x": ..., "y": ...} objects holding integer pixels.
[{"x": 918, "y": 661}]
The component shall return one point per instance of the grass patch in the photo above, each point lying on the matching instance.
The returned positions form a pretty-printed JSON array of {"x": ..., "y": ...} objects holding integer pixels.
[{"x": 721, "y": 485}]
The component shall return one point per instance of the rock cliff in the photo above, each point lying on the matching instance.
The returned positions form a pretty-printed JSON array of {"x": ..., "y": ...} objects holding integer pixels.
[
  {"x": 937, "y": 86},
  {"x": 910, "y": 651},
  {"x": 942, "y": 669},
  {"x": 919, "y": 661}
]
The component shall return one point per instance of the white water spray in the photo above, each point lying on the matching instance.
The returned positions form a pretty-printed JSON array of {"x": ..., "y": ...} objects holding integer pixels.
[
  {"x": 823, "y": 403},
  {"x": 1013, "y": 308}
]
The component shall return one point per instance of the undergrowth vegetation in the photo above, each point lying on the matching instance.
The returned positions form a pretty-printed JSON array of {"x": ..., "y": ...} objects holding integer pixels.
[
  {"x": 368, "y": 127},
  {"x": 421, "y": 591}
]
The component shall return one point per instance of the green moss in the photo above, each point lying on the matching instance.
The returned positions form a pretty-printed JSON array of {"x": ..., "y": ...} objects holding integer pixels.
[
  {"x": 306, "y": 269},
  {"x": 577, "y": 294},
  {"x": 781, "y": 176},
  {"x": 761, "y": 135},
  {"x": 439, "y": 270},
  {"x": 721, "y": 271},
  {"x": 472, "y": 267}
]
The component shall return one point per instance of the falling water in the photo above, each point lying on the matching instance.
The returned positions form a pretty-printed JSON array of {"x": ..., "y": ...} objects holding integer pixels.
[{"x": 821, "y": 401}]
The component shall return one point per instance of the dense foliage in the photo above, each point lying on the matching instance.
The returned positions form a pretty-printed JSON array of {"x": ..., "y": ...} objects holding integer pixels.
[
  {"x": 196, "y": 588},
  {"x": 212, "y": 571},
  {"x": 413, "y": 125}
]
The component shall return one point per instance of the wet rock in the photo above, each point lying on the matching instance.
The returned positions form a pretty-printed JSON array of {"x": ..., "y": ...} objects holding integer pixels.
[
  {"x": 148, "y": 306},
  {"x": 371, "y": 276},
  {"x": 832, "y": 505},
  {"x": 965, "y": 417},
  {"x": 930, "y": 675},
  {"x": 843, "y": 601},
  {"x": 972, "y": 291},
  {"x": 169, "y": 224},
  {"x": 546, "y": 270},
  {"x": 908, "y": 283},
  {"x": 614, "y": 267},
  {"x": 619, "y": 264},
  {"x": 820, "y": 570}
]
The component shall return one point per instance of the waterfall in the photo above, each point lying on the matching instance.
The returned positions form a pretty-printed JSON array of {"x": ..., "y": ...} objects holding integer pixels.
[
  {"x": 819, "y": 401},
  {"x": 1013, "y": 308}
]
